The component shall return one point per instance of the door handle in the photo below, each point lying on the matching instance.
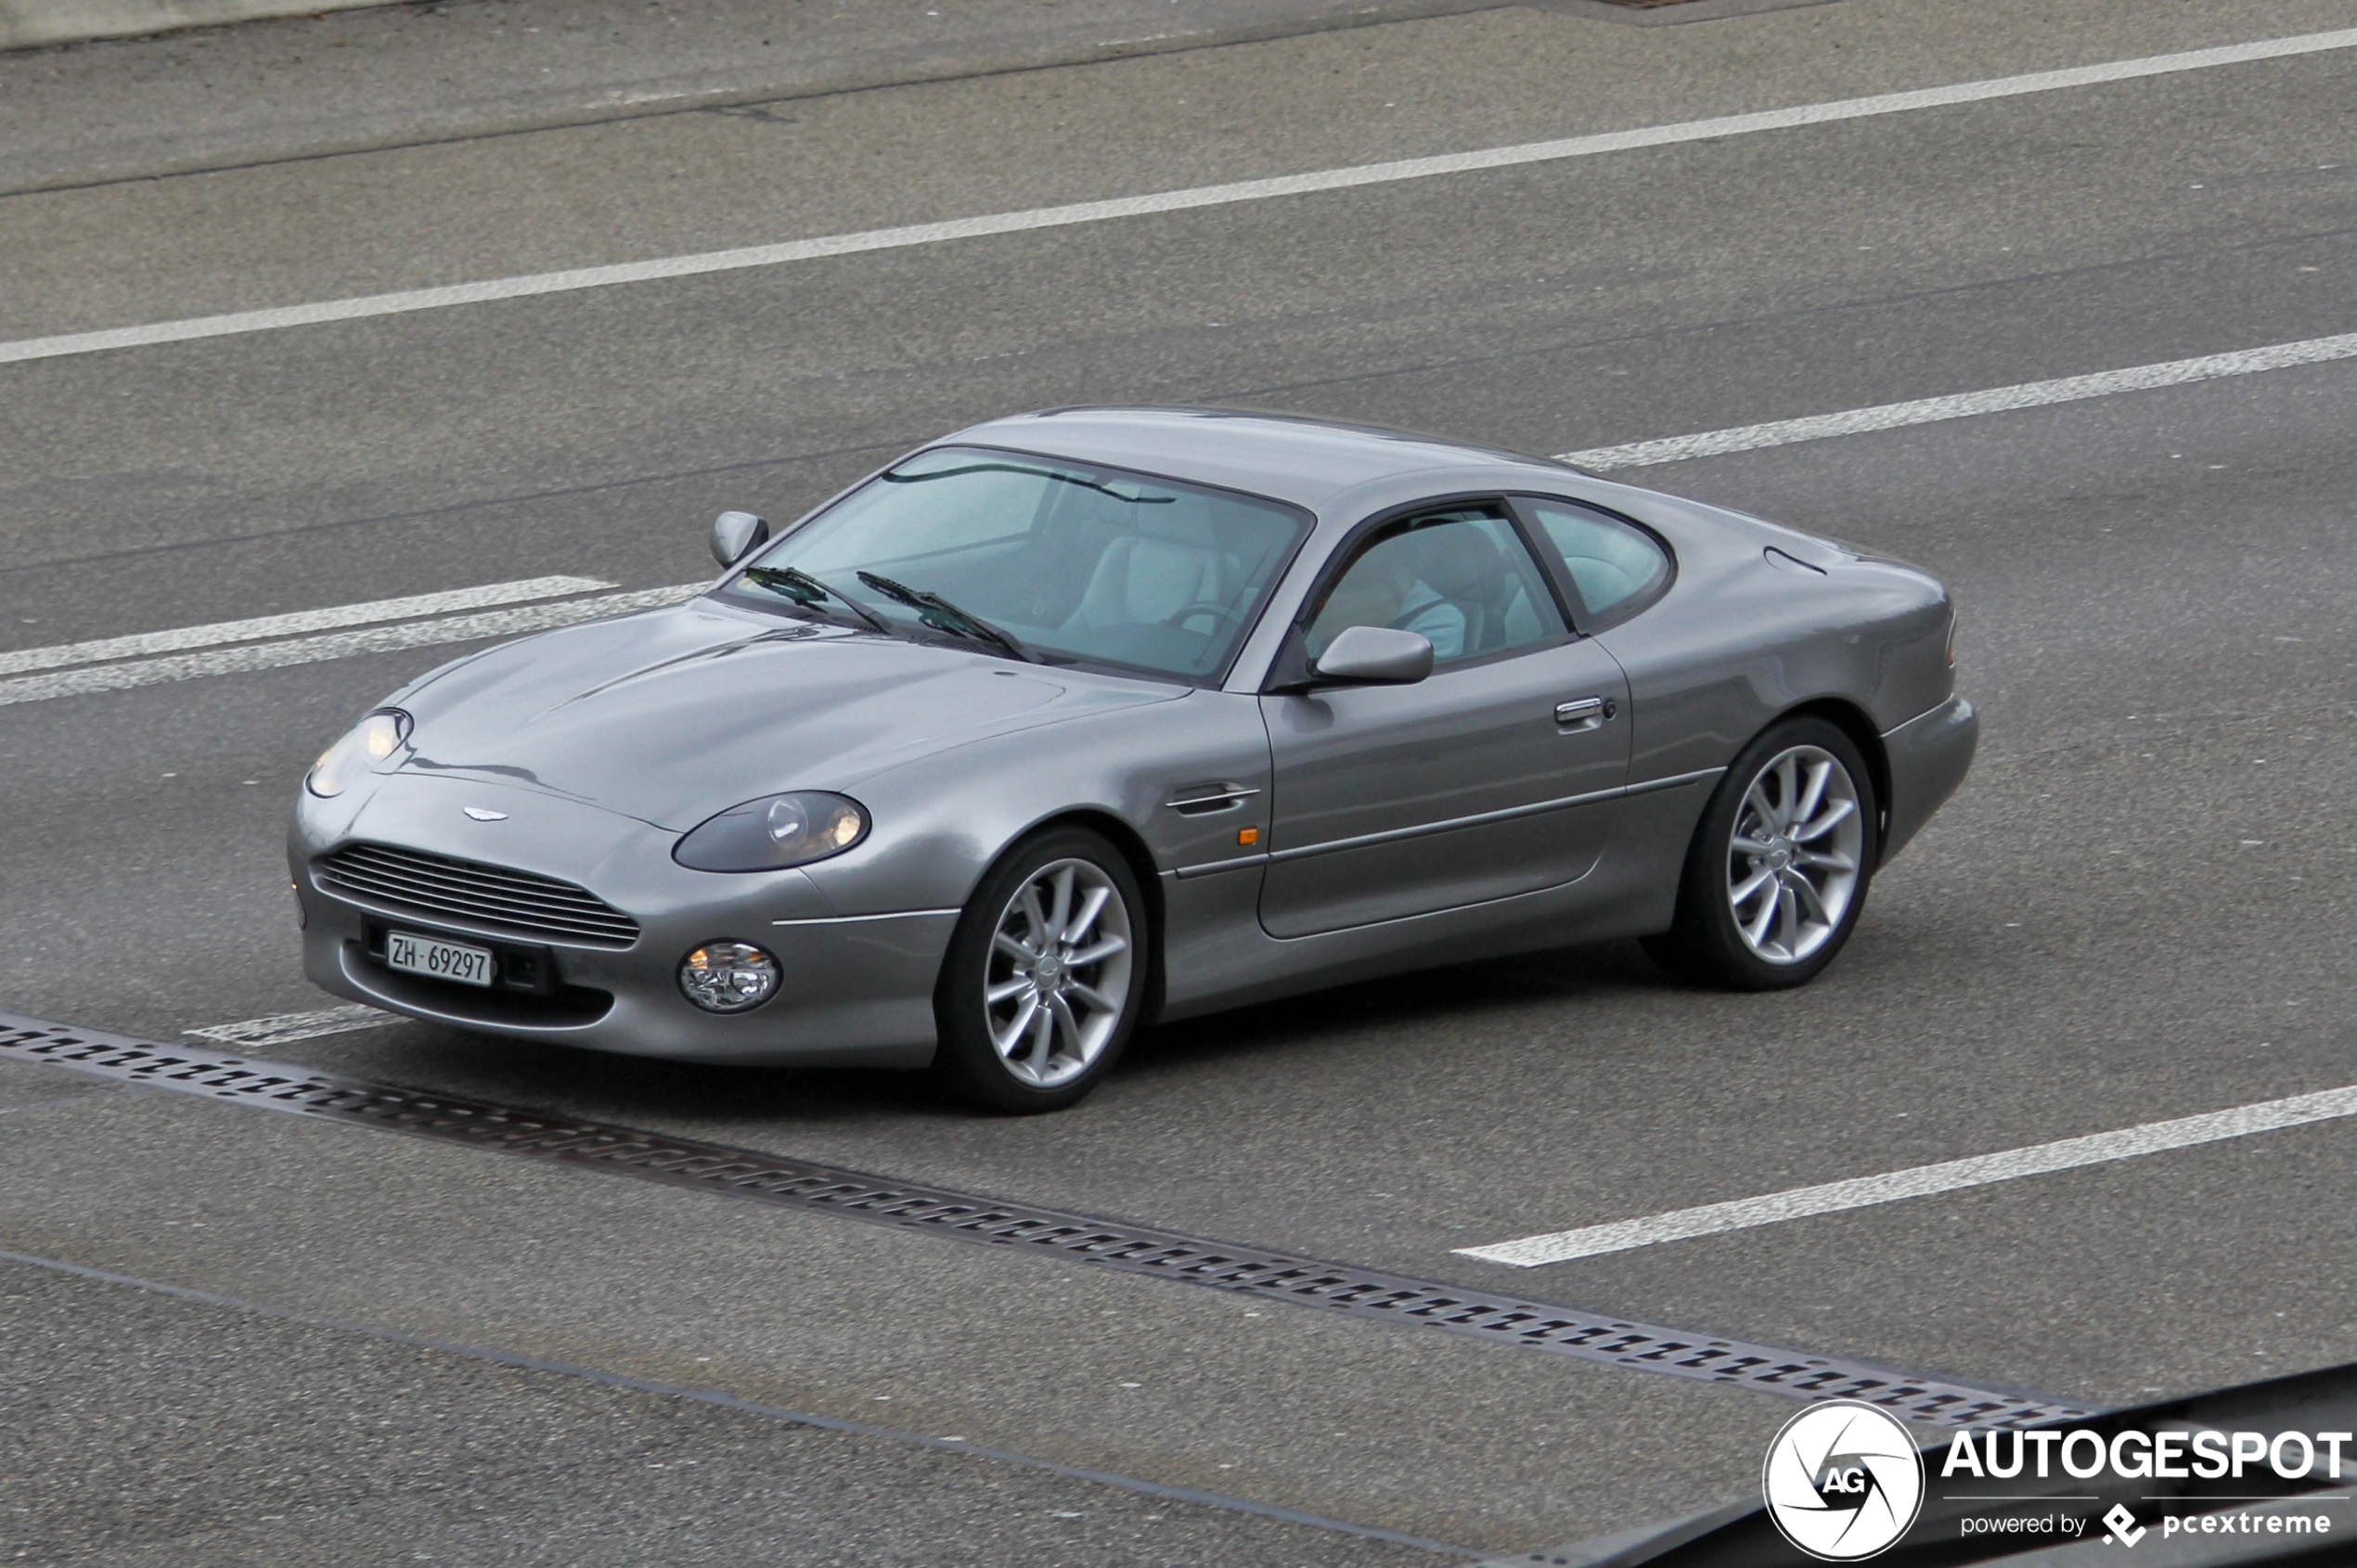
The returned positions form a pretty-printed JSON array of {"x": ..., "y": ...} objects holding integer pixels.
[{"x": 1585, "y": 712}]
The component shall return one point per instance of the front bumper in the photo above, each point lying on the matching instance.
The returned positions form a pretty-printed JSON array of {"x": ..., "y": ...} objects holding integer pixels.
[
  {"x": 856, "y": 991},
  {"x": 1928, "y": 755}
]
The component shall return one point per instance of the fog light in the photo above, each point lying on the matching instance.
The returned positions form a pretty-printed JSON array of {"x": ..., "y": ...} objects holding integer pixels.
[{"x": 728, "y": 976}]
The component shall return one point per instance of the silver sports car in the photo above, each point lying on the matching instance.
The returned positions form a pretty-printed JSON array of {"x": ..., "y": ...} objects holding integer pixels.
[{"x": 1078, "y": 719}]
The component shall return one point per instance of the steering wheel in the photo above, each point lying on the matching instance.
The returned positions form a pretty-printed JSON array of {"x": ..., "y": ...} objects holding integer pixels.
[{"x": 1218, "y": 608}]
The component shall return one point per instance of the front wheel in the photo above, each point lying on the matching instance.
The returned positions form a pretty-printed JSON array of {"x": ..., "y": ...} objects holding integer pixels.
[
  {"x": 1778, "y": 870},
  {"x": 1045, "y": 977}
]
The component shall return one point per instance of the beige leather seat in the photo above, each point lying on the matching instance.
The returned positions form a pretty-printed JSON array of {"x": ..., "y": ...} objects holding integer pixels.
[{"x": 1143, "y": 579}]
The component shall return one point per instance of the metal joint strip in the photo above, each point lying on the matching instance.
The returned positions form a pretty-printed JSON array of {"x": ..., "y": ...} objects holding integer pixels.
[{"x": 744, "y": 1173}]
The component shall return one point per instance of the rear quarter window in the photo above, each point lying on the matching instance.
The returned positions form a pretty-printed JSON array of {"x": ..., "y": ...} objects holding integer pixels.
[{"x": 1616, "y": 567}]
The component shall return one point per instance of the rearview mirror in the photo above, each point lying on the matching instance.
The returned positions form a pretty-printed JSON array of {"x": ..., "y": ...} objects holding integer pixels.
[
  {"x": 736, "y": 534},
  {"x": 1375, "y": 656}
]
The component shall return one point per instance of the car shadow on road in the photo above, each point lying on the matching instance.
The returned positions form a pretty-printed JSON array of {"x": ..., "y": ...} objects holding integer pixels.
[
  {"x": 1470, "y": 990},
  {"x": 722, "y": 1100}
]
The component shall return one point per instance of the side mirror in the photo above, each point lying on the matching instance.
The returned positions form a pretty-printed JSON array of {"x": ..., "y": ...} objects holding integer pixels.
[
  {"x": 734, "y": 534},
  {"x": 1375, "y": 656}
]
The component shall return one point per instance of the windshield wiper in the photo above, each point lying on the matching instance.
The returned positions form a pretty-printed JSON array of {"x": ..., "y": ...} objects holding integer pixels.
[
  {"x": 807, "y": 591},
  {"x": 940, "y": 614}
]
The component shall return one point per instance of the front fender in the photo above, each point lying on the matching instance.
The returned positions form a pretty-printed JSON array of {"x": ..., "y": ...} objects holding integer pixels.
[{"x": 940, "y": 821}]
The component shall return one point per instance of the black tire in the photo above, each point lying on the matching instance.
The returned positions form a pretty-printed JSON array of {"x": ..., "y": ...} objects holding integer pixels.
[
  {"x": 1031, "y": 1077},
  {"x": 1707, "y": 944}
]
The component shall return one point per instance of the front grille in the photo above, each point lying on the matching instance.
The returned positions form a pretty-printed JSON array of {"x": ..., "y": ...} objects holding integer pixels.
[{"x": 520, "y": 902}]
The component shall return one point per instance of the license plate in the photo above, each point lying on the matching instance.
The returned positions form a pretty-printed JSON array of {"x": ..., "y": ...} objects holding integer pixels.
[{"x": 437, "y": 961}]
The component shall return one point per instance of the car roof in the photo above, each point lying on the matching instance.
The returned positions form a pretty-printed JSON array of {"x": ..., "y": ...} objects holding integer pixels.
[{"x": 1308, "y": 462}]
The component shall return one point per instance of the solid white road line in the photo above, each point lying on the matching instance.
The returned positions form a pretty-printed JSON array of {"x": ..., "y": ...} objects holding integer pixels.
[
  {"x": 1996, "y": 400},
  {"x": 260, "y": 626},
  {"x": 337, "y": 645},
  {"x": 572, "y": 279},
  {"x": 1920, "y": 1181},
  {"x": 279, "y": 1029}
]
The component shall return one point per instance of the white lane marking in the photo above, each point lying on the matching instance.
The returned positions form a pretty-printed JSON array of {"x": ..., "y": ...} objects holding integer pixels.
[
  {"x": 365, "y": 305},
  {"x": 1921, "y": 1181},
  {"x": 19, "y": 660},
  {"x": 1642, "y": 454},
  {"x": 337, "y": 645},
  {"x": 279, "y": 1029},
  {"x": 1960, "y": 405}
]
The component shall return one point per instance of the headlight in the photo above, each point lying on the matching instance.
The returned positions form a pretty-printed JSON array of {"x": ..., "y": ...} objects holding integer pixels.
[
  {"x": 728, "y": 976},
  {"x": 774, "y": 832},
  {"x": 370, "y": 742}
]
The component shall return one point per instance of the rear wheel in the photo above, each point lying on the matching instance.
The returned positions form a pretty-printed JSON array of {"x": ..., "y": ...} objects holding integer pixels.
[
  {"x": 1777, "y": 874},
  {"x": 1045, "y": 976}
]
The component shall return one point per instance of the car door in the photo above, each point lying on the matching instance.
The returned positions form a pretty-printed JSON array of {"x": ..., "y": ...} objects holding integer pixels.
[{"x": 1496, "y": 775}]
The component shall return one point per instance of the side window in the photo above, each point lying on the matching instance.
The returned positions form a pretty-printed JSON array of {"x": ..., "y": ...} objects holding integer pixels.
[
  {"x": 1610, "y": 563},
  {"x": 1464, "y": 579}
]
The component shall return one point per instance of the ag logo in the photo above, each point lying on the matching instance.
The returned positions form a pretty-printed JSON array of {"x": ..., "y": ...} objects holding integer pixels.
[{"x": 1843, "y": 1481}]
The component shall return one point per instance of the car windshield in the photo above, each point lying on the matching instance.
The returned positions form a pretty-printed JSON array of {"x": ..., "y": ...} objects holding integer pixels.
[{"x": 1069, "y": 561}]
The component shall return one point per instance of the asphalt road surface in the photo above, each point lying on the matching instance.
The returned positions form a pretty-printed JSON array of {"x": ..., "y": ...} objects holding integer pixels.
[{"x": 235, "y": 1337}]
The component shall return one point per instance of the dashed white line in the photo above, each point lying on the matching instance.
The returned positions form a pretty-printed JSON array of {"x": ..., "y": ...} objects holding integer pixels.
[
  {"x": 1960, "y": 405},
  {"x": 1920, "y": 1181},
  {"x": 17, "y": 661},
  {"x": 133, "y": 673},
  {"x": 363, "y": 306},
  {"x": 336, "y": 644},
  {"x": 279, "y": 1029}
]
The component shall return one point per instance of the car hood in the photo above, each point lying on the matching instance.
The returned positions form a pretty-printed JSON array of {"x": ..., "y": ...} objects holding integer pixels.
[{"x": 675, "y": 715}]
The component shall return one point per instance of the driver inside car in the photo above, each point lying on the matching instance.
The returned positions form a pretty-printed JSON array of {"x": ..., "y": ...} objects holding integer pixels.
[{"x": 1386, "y": 588}]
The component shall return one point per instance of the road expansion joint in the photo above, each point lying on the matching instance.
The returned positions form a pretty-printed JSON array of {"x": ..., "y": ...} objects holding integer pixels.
[{"x": 1366, "y": 1293}]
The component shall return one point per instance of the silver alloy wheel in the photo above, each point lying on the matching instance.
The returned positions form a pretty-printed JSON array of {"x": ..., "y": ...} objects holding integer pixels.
[
  {"x": 1792, "y": 863},
  {"x": 1058, "y": 975}
]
